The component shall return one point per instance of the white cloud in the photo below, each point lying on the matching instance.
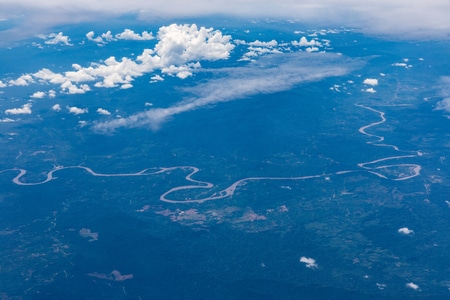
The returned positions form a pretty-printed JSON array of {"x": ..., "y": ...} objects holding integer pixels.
[
  {"x": 178, "y": 52},
  {"x": 103, "y": 112},
  {"x": 77, "y": 111},
  {"x": 371, "y": 81},
  {"x": 7, "y": 120},
  {"x": 258, "y": 48},
  {"x": 45, "y": 75},
  {"x": 443, "y": 105},
  {"x": 274, "y": 73},
  {"x": 401, "y": 18},
  {"x": 405, "y": 230},
  {"x": 2, "y": 85},
  {"x": 309, "y": 262},
  {"x": 23, "y": 80},
  {"x": 71, "y": 88},
  {"x": 404, "y": 65},
  {"x": 90, "y": 37},
  {"x": 305, "y": 43},
  {"x": 56, "y": 107},
  {"x": 51, "y": 93},
  {"x": 412, "y": 285},
  {"x": 312, "y": 49},
  {"x": 156, "y": 78},
  {"x": 38, "y": 95},
  {"x": 82, "y": 124},
  {"x": 129, "y": 34},
  {"x": 107, "y": 36},
  {"x": 126, "y": 86},
  {"x": 370, "y": 90},
  {"x": 57, "y": 38},
  {"x": 24, "y": 110},
  {"x": 102, "y": 39},
  {"x": 179, "y": 44},
  {"x": 258, "y": 43}
]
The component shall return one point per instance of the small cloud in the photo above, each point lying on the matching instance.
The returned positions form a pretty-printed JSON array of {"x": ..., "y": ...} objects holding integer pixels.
[
  {"x": 82, "y": 123},
  {"x": 102, "y": 39},
  {"x": 22, "y": 80},
  {"x": 156, "y": 78},
  {"x": 7, "y": 120},
  {"x": 258, "y": 43},
  {"x": 103, "y": 112},
  {"x": 443, "y": 105},
  {"x": 90, "y": 36},
  {"x": 2, "y": 85},
  {"x": 87, "y": 233},
  {"x": 126, "y": 86},
  {"x": 24, "y": 110},
  {"x": 405, "y": 230},
  {"x": 52, "y": 94},
  {"x": 309, "y": 262},
  {"x": 312, "y": 49},
  {"x": 56, "y": 107},
  {"x": 73, "y": 89},
  {"x": 77, "y": 111},
  {"x": 404, "y": 65},
  {"x": 128, "y": 34},
  {"x": 38, "y": 95},
  {"x": 371, "y": 81},
  {"x": 305, "y": 43},
  {"x": 108, "y": 36},
  {"x": 57, "y": 38},
  {"x": 370, "y": 90},
  {"x": 412, "y": 285}
]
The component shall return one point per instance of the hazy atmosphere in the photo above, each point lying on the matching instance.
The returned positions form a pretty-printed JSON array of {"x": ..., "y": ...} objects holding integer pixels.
[{"x": 224, "y": 149}]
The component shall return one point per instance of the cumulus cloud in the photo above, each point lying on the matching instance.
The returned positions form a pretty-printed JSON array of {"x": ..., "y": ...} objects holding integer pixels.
[
  {"x": 38, "y": 95},
  {"x": 156, "y": 78},
  {"x": 258, "y": 48},
  {"x": 23, "y": 80},
  {"x": 405, "y": 230},
  {"x": 269, "y": 74},
  {"x": 179, "y": 44},
  {"x": 24, "y": 110},
  {"x": 305, "y": 43},
  {"x": 2, "y": 85},
  {"x": 129, "y": 34},
  {"x": 56, "y": 107},
  {"x": 57, "y": 38},
  {"x": 179, "y": 50},
  {"x": 51, "y": 93},
  {"x": 412, "y": 285},
  {"x": 71, "y": 88},
  {"x": 77, "y": 111},
  {"x": 309, "y": 262},
  {"x": 370, "y": 90},
  {"x": 102, "y": 39},
  {"x": 443, "y": 105},
  {"x": 371, "y": 81},
  {"x": 103, "y": 112}
]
